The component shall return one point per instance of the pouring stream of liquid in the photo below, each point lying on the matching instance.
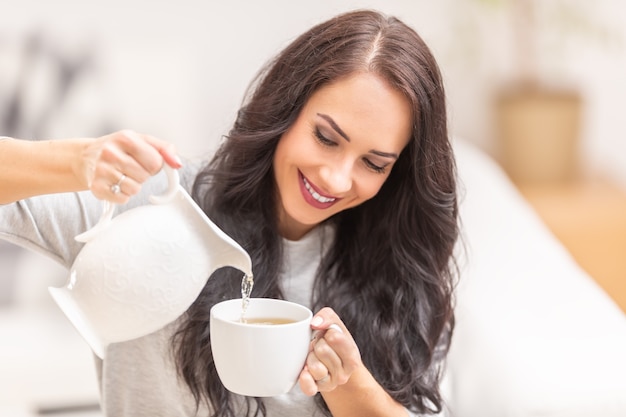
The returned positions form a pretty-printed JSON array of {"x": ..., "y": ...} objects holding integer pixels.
[{"x": 246, "y": 289}]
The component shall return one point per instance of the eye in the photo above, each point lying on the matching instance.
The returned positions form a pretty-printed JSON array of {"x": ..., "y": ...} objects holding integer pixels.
[
  {"x": 376, "y": 168},
  {"x": 323, "y": 139}
]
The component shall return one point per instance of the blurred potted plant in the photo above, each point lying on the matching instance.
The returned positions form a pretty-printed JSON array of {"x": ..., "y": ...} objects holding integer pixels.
[{"x": 538, "y": 122}]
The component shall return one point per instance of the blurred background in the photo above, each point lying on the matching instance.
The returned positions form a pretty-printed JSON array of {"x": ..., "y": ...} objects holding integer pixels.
[{"x": 537, "y": 84}]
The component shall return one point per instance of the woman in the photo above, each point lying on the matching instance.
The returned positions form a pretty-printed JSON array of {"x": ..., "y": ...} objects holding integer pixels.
[{"x": 337, "y": 178}]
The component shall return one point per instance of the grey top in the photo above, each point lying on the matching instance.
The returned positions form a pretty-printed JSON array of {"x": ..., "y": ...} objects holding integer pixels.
[{"x": 138, "y": 377}]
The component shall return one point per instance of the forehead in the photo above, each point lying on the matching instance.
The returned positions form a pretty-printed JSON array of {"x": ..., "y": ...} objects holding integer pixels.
[{"x": 365, "y": 106}]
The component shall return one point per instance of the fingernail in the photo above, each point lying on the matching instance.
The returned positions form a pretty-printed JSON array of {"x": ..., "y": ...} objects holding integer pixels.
[{"x": 317, "y": 320}]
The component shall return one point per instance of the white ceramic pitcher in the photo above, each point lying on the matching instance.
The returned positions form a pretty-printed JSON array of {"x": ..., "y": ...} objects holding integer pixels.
[{"x": 142, "y": 269}]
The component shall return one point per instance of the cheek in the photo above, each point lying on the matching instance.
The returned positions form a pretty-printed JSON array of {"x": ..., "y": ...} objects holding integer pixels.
[
  {"x": 369, "y": 188},
  {"x": 284, "y": 153},
  {"x": 277, "y": 163},
  {"x": 292, "y": 145}
]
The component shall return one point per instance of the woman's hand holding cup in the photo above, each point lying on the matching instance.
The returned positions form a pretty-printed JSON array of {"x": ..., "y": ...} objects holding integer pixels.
[{"x": 333, "y": 355}]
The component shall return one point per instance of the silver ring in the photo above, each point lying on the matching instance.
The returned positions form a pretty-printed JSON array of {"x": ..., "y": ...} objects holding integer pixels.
[
  {"x": 117, "y": 187},
  {"x": 322, "y": 380},
  {"x": 335, "y": 326}
]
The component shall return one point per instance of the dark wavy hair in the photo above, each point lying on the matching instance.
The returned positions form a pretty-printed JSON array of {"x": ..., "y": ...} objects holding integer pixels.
[{"x": 390, "y": 272}]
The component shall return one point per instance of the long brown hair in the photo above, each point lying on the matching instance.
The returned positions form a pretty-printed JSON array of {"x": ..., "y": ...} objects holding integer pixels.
[{"x": 390, "y": 272}]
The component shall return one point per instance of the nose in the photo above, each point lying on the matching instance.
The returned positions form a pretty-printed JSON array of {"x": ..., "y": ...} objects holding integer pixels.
[{"x": 337, "y": 176}]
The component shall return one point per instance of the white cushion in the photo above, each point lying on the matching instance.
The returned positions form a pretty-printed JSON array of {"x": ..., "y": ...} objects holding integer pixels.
[{"x": 535, "y": 335}]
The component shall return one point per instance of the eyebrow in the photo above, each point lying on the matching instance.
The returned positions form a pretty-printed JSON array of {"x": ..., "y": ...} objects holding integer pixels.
[
  {"x": 385, "y": 154},
  {"x": 336, "y": 127}
]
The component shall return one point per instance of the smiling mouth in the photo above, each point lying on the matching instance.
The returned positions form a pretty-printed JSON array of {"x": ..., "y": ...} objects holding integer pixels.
[{"x": 316, "y": 196}]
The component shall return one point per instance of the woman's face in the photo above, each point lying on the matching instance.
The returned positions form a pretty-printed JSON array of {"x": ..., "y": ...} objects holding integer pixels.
[{"x": 339, "y": 151}]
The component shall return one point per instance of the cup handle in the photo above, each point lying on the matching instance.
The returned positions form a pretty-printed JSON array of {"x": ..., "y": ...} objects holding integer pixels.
[{"x": 108, "y": 208}]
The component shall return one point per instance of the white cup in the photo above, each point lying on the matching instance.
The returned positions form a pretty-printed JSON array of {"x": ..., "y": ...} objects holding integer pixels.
[{"x": 260, "y": 360}]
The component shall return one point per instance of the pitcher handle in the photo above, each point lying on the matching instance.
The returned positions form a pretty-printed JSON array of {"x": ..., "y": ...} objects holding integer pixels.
[{"x": 108, "y": 208}]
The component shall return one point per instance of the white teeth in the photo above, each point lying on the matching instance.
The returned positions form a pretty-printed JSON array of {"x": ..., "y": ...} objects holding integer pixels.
[{"x": 315, "y": 194}]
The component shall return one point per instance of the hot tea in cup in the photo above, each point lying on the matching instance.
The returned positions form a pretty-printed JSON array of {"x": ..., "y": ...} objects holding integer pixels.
[{"x": 262, "y": 353}]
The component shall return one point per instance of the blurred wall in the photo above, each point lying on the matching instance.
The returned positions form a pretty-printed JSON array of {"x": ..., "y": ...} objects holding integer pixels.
[
  {"x": 174, "y": 69},
  {"x": 178, "y": 70}
]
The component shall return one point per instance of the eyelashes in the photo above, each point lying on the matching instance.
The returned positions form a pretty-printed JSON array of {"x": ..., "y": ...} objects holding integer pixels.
[
  {"x": 324, "y": 141},
  {"x": 374, "y": 167}
]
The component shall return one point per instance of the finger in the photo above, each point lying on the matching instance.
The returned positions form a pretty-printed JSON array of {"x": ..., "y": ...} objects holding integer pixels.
[
  {"x": 127, "y": 185},
  {"x": 307, "y": 383},
  {"x": 110, "y": 181},
  {"x": 316, "y": 367},
  {"x": 171, "y": 158},
  {"x": 135, "y": 154},
  {"x": 166, "y": 150},
  {"x": 327, "y": 325},
  {"x": 326, "y": 361},
  {"x": 115, "y": 160},
  {"x": 138, "y": 156},
  {"x": 327, "y": 318},
  {"x": 114, "y": 191},
  {"x": 344, "y": 346},
  {"x": 335, "y": 335},
  {"x": 335, "y": 326}
]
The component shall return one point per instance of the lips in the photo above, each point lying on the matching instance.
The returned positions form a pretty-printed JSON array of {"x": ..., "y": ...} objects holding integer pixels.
[{"x": 313, "y": 196}]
